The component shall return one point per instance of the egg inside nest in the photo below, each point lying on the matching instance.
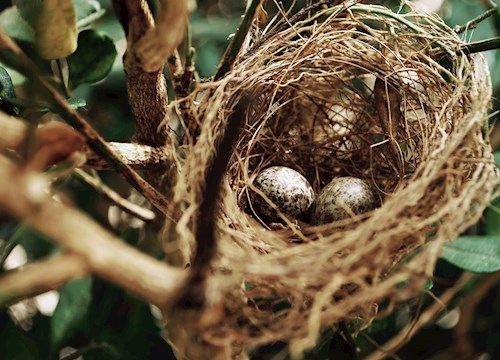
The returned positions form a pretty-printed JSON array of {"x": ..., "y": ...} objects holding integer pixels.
[
  {"x": 342, "y": 198},
  {"x": 287, "y": 189}
]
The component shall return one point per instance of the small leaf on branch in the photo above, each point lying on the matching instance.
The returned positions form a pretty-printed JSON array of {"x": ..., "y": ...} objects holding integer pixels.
[
  {"x": 74, "y": 303},
  {"x": 93, "y": 59},
  {"x": 474, "y": 253},
  {"x": 29, "y": 9},
  {"x": 6, "y": 86},
  {"x": 55, "y": 31},
  {"x": 17, "y": 27},
  {"x": 6, "y": 92}
]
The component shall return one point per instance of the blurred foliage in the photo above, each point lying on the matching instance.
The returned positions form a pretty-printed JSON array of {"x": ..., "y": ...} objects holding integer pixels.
[{"x": 104, "y": 322}]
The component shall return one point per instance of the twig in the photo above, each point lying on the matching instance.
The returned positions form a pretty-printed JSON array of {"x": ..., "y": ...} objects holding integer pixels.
[
  {"x": 138, "y": 156},
  {"x": 387, "y": 103},
  {"x": 425, "y": 318},
  {"x": 463, "y": 347},
  {"x": 282, "y": 26},
  {"x": 13, "y": 56},
  {"x": 237, "y": 41},
  {"x": 193, "y": 295},
  {"x": 62, "y": 73},
  {"x": 106, "y": 255},
  {"x": 9, "y": 242},
  {"x": 39, "y": 277},
  {"x": 182, "y": 79},
  {"x": 189, "y": 51},
  {"x": 480, "y": 46},
  {"x": 350, "y": 341},
  {"x": 472, "y": 24},
  {"x": 78, "y": 353},
  {"x": 127, "y": 206},
  {"x": 379, "y": 10}
]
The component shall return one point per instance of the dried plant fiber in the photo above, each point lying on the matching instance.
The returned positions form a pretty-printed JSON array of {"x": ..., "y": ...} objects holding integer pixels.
[{"x": 420, "y": 142}]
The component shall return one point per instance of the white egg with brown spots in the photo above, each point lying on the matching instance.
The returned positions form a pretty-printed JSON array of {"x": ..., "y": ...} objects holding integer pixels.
[
  {"x": 289, "y": 191},
  {"x": 342, "y": 198}
]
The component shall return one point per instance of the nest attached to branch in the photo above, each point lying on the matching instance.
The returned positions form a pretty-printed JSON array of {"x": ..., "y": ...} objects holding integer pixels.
[{"x": 350, "y": 90}]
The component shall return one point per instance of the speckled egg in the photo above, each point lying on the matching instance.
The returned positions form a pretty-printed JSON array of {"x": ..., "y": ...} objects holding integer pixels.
[
  {"x": 287, "y": 189},
  {"x": 340, "y": 199}
]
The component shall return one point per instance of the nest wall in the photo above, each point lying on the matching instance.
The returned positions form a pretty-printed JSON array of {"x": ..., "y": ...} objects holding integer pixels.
[{"x": 315, "y": 109}]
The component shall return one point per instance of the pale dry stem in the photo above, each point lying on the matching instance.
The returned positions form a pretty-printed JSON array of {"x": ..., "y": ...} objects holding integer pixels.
[
  {"x": 41, "y": 276},
  {"x": 103, "y": 253}
]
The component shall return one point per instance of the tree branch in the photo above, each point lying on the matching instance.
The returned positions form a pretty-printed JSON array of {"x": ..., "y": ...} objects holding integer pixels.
[
  {"x": 472, "y": 24},
  {"x": 138, "y": 156},
  {"x": 105, "y": 255},
  {"x": 480, "y": 46},
  {"x": 125, "y": 205},
  {"x": 159, "y": 43},
  {"x": 39, "y": 277},
  {"x": 147, "y": 91}
]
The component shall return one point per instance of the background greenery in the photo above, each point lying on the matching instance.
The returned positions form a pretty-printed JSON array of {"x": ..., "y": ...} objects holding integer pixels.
[{"x": 101, "y": 321}]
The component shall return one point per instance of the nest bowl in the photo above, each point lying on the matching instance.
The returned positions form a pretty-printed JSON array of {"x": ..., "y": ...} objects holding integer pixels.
[{"x": 348, "y": 90}]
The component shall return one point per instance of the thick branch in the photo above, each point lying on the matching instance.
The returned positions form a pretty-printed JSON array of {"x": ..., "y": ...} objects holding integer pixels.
[
  {"x": 105, "y": 254},
  {"x": 159, "y": 43},
  {"x": 147, "y": 91},
  {"x": 39, "y": 277},
  {"x": 138, "y": 156}
]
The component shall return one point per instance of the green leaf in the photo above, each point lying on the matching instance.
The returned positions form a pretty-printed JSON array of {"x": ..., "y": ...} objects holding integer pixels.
[
  {"x": 6, "y": 92},
  {"x": 71, "y": 311},
  {"x": 429, "y": 284},
  {"x": 14, "y": 344},
  {"x": 76, "y": 103},
  {"x": 43, "y": 107},
  {"x": 87, "y": 11},
  {"x": 15, "y": 26},
  {"x": 143, "y": 345},
  {"x": 6, "y": 85},
  {"x": 29, "y": 9},
  {"x": 492, "y": 216},
  {"x": 492, "y": 213},
  {"x": 474, "y": 253},
  {"x": 92, "y": 60}
]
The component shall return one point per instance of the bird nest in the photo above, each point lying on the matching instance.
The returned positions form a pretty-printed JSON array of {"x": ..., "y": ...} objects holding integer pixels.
[{"x": 349, "y": 90}]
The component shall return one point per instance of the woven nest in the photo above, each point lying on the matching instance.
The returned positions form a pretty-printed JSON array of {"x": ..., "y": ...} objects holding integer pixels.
[{"x": 314, "y": 110}]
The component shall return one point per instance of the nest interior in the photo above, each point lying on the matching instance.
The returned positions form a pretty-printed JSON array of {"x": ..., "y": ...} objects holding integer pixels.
[{"x": 349, "y": 90}]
